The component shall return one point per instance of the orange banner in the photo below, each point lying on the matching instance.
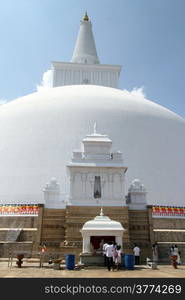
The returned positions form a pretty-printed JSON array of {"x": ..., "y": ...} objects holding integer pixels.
[
  {"x": 19, "y": 209},
  {"x": 168, "y": 211}
]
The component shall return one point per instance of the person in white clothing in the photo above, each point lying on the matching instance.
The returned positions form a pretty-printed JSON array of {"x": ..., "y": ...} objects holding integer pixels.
[
  {"x": 173, "y": 256},
  {"x": 177, "y": 253},
  {"x": 104, "y": 253},
  {"x": 155, "y": 254},
  {"x": 179, "y": 258},
  {"x": 176, "y": 250},
  {"x": 137, "y": 252},
  {"x": 117, "y": 257},
  {"x": 109, "y": 254}
]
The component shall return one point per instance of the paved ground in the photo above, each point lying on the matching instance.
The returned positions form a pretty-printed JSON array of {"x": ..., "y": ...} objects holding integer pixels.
[{"x": 32, "y": 269}]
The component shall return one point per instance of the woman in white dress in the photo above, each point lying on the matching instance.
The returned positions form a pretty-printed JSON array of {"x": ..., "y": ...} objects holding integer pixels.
[
  {"x": 155, "y": 255},
  {"x": 117, "y": 257},
  {"x": 179, "y": 258}
]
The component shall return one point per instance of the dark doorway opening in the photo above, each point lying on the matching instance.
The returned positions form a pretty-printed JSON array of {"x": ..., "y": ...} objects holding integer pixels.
[
  {"x": 96, "y": 241},
  {"x": 97, "y": 187}
]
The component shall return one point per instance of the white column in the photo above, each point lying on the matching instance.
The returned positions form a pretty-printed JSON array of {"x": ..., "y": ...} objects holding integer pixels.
[
  {"x": 119, "y": 240},
  {"x": 103, "y": 187},
  {"x": 111, "y": 179},
  {"x": 122, "y": 183},
  {"x": 84, "y": 179},
  {"x": 86, "y": 244}
]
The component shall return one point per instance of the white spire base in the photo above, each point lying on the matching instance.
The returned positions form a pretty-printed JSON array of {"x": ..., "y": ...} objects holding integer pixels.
[
  {"x": 65, "y": 73},
  {"x": 85, "y": 49}
]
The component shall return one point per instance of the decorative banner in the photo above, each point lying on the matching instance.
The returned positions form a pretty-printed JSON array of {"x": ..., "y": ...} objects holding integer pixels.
[
  {"x": 168, "y": 211},
  {"x": 19, "y": 210}
]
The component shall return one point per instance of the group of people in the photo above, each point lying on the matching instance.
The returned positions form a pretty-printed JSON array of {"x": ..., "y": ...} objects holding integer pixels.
[
  {"x": 174, "y": 254},
  {"x": 112, "y": 255}
]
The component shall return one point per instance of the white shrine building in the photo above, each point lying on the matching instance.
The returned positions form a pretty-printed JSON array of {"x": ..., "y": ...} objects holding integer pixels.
[{"x": 96, "y": 173}]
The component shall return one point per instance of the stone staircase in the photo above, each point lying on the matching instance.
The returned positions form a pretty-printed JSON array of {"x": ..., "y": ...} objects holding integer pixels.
[{"x": 17, "y": 234}]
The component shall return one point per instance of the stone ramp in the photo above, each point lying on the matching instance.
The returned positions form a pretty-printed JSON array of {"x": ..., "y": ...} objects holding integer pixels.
[{"x": 13, "y": 234}]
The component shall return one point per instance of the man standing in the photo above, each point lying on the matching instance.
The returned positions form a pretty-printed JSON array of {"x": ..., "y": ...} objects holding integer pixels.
[
  {"x": 109, "y": 254},
  {"x": 155, "y": 255},
  {"x": 173, "y": 256},
  {"x": 104, "y": 253},
  {"x": 137, "y": 252}
]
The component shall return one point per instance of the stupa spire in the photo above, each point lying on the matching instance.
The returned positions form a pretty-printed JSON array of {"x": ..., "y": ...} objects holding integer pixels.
[
  {"x": 86, "y": 18},
  {"x": 85, "y": 48}
]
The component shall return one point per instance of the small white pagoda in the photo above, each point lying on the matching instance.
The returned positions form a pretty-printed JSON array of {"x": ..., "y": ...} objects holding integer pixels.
[{"x": 102, "y": 228}]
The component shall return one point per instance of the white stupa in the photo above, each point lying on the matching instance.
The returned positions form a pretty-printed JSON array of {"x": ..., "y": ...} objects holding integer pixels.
[{"x": 39, "y": 132}]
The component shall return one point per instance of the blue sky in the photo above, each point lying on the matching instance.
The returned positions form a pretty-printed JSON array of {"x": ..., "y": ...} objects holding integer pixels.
[{"x": 146, "y": 37}]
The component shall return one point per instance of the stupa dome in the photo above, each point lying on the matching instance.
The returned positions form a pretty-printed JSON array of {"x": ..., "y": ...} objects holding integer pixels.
[{"x": 38, "y": 133}]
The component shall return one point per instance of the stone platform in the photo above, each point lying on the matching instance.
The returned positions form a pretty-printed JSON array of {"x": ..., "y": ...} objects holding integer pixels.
[
  {"x": 32, "y": 270},
  {"x": 92, "y": 260}
]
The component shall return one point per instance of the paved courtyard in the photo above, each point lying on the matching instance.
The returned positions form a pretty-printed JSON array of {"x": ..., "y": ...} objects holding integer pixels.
[{"x": 32, "y": 269}]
